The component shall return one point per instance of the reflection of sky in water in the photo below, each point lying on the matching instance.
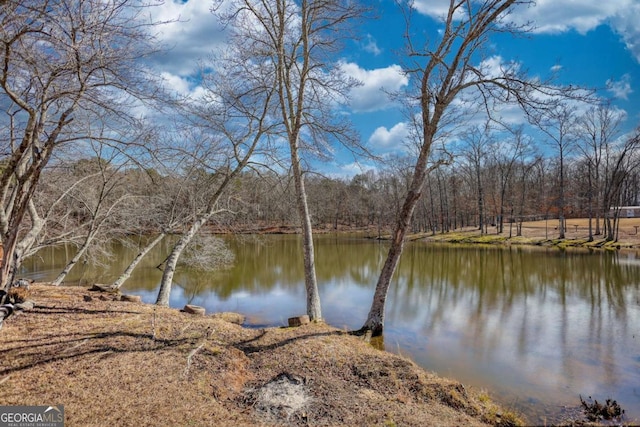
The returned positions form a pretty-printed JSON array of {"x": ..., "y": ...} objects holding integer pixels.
[
  {"x": 534, "y": 327},
  {"x": 545, "y": 345}
]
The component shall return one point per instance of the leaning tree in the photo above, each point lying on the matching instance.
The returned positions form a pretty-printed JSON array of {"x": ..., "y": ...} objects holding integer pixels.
[
  {"x": 451, "y": 75},
  {"x": 65, "y": 65}
]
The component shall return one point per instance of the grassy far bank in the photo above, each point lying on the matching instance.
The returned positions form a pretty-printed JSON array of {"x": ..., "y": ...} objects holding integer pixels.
[
  {"x": 120, "y": 363},
  {"x": 545, "y": 233},
  {"x": 534, "y": 233}
]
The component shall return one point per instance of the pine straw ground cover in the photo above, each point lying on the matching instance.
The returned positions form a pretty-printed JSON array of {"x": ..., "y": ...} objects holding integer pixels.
[{"x": 113, "y": 363}]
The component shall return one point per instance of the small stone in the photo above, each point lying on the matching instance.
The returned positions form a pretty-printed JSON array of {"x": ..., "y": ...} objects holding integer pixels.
[
  {"x": 131, "y": 298},
  {"x": 298, "y": 321},
  {"x": 87, "y": 298},
  {"x": 194, "y": 309}
]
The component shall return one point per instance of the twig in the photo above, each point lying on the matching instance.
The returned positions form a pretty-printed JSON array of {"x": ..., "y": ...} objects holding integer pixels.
[
  {"x": 83, "y": 342},
  {"x": 185, "y": 328},
  {"x": 190, "y": 356},
  {"x": 193, "y": 352},
  {"x": 5, "y": 379},
  {"x": 153, "y": 323}
]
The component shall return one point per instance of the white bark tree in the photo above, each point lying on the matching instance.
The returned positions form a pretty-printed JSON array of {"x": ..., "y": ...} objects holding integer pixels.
[{"x": 296, "y": 41}]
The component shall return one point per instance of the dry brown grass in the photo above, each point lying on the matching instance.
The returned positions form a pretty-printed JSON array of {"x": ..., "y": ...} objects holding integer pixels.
[
  {"x": 127, "y": 364},
  {"x": 545, "y": 233}
]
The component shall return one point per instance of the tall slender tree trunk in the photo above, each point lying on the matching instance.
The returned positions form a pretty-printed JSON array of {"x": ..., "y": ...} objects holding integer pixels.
[
  {"x": 481, "y": 219},
  {"x": 311, "y": 283},
  {"x": 590, "y": 203},
  {"x": 561, "y": 223},
  {"x": 375, "y": 320},
  {"x": 141, "y": 254}
]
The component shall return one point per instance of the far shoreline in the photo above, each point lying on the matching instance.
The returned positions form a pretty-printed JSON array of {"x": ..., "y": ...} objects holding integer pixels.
[{"x": 543, "y": 234}]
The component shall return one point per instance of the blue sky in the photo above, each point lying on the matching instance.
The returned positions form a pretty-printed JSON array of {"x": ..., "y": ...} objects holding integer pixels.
[{"x": 592, "y": 43}]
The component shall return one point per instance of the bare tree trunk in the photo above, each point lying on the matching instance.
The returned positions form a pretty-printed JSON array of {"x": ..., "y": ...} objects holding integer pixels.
[
  {"x": 127, "y": 272},
  {"x": 375, "y": 319},
  {"x": 311, "y": 284},
  {"x": 172, "y": 260},
  {"x": 481, "y": 218},
  {"x": 67, "y": 269},
  {"x": 10, "y": 238},
  {"x": 590, "y": 203},
  {"x": 448, "y": 71},
  {"x": 511, "y": 224},
  {"x": 561, "y": 200},
  {"x": 8, "y": 269}
]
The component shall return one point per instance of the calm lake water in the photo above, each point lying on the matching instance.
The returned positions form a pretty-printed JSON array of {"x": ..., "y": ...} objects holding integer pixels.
[{"x": 536, "y": 328}]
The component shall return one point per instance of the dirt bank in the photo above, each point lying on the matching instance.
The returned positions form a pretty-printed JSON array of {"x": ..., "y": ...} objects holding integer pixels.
[{"x": 124, "y": 363}]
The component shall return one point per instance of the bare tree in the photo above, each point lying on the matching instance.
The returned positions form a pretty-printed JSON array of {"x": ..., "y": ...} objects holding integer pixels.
[
  {"x": 559, "y": 125},
  {"x": 476, "y": 144},
  {"x": 243, "y": 148},
  {"x": 444, "y": 72},
  {"x": 48, "y": 221},
  {"x": 224, "y": 130},
  {"x": 597, "y": 130},
  {"x": 164, "y": 204},
  {"x": 63, "y": 63},
  {"x": 96, "y": 204},
  {"x": 621, "y": 161},
  {"x": 296, "y": 42},
  {"x": 505, "y": 154}
]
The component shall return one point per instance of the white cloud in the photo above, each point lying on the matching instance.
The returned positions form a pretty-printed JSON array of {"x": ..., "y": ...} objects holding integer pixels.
[
  {"x": 175, "y": 83},
  {"x": 190, "y": 34},
  {"x": 556, "y": 68},
  {"x": 495, "y": 66},
  {"x": 372, "y": 94},
  {"x": 625, "y": 22},
  {"x": 437, "y": 9},
  {"x": 371, "y": 46},
  {"x": 620, "y": 89},
  {"x": 559, "y": 16},
  {"x": 390, "y": 139},
  {"x": 182, "y": 86}
]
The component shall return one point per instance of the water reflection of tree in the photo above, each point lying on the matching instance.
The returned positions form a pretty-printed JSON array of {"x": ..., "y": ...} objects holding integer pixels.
[
  {"x": 274, "y": 262},
  {"x": 531, "y": 300}
]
